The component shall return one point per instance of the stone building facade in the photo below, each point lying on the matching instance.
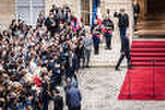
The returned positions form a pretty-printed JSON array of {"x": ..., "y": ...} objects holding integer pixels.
[{"x": 7, "y": 11}]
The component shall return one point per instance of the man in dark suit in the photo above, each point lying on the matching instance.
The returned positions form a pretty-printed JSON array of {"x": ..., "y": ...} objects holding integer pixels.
[
  {"x": 125, "y": 52},
  {"x": 73, "y": 98},
  {"x": 123, "y": 23},
  {"x": 51, "y": 24},
  {"x": 58, "y": 100}
]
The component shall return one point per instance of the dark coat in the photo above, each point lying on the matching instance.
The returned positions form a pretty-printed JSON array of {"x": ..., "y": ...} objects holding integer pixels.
[
  {"x": 123, "y": 20},
  {"x": 48, "y": 24},
  {"x": 136, "y": 8},
  {"x": 58, "y": 103},
  {"x": 73, "y": 97}
]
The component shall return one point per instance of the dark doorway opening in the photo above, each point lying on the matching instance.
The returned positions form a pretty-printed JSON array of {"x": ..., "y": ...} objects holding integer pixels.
[
  {"x": 156, "y": 7},
  {"x": 85, "y": 11}
]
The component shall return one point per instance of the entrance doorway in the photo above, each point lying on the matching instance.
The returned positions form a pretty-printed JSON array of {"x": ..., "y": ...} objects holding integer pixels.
[
  {"x": 152, "y": 18},
  {"x": 151, "y": 9},
  {"x": 156, "y": 7},
  {"x": 85, "y": 11}
]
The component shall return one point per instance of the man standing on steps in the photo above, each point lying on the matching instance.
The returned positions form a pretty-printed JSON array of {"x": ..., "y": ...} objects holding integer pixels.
[
  {"x": 125, "y": 52},
  {"x": 123, "y": 23},
  {"x": 136, "y": 11}
]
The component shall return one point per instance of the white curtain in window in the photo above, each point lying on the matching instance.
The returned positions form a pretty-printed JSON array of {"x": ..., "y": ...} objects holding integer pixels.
[{"x": 28, "y": 10}]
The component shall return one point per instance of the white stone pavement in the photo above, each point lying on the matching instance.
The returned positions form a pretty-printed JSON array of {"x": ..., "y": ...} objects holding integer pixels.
[
  {"x": 100, "y": 85},
  {"x": 100, "y": 88}
]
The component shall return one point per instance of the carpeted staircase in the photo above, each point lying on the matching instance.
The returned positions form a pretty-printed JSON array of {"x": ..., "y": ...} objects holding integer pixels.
[
  {"x": 148, "y": 53},
  {"x": 146, "y": 79}
]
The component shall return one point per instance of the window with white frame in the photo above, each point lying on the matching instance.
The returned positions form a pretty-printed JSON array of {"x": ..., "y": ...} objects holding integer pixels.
[
  {"x": 28, "y": 10},
  {"x": 85, "y": 11}
]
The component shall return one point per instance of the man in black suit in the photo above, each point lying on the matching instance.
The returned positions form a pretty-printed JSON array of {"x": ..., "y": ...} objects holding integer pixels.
[
  {"x": 58, "y": 100},
  {"x": 50, "y": 24},
  {"x": 125, "y": 52},
  {"x": 123, "y": 23}
]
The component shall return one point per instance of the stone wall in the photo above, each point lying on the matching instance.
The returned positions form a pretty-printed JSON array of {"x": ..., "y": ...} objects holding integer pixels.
[{"x": 7, "y": 11}]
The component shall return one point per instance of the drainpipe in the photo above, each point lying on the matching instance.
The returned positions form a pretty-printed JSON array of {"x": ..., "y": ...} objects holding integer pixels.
[
  {"x": 31, "y": 12},
  {"x": 132, "y": 25}
]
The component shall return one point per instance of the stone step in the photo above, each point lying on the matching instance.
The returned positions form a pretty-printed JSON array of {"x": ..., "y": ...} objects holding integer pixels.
[{"x": 106, "y": 57}]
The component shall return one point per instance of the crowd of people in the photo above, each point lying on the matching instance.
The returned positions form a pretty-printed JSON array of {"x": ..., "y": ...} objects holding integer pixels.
[{"x": 36, "y": 61}]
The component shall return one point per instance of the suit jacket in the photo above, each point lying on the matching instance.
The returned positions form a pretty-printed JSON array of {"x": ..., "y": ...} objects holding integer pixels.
[
  {"x": 58, "y": 103},
  {"x": 73, "y": 97},
  {"x": 123, "y": 19}
]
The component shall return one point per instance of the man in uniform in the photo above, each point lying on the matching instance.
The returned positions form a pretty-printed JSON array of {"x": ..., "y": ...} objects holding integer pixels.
[
  {"x": 108, "y": 28},
  {"x": 96, "y": 32}
]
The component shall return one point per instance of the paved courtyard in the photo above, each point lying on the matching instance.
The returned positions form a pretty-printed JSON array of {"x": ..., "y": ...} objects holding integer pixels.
[
  {"x": 100, "y": 85},
  {"x": 100, "y": 88}
]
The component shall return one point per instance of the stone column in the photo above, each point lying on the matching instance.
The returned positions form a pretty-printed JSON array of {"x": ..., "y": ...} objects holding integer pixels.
[
  {"x": 31, "y": 12},
  {"x": 91, "y": 10},
  {"x": 7, "y": 11}
]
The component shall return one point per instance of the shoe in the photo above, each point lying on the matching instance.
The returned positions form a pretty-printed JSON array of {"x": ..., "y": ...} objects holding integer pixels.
[
  {"x": 96, "y": 53},
  {"x": 117, "y": 69},
  {"x": 87, "y": 66},
  {"x": 130, "y": 67}
]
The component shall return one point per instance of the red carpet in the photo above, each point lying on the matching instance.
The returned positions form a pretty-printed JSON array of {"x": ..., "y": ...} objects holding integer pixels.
[{"x": 146, "y": 80}]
